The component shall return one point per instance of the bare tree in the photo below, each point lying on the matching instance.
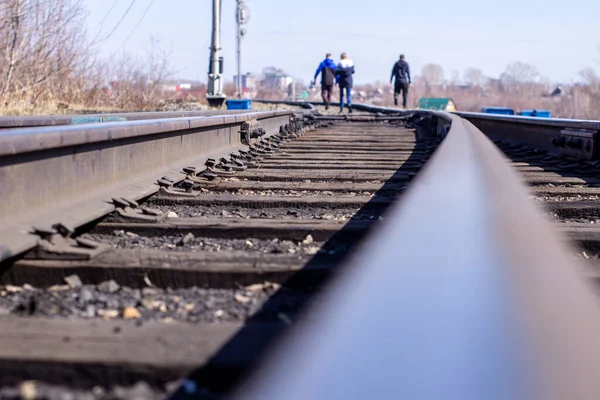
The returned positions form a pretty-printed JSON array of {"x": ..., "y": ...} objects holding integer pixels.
[
  {"x": 15, "y": 40},
  {"x": 271, "y": 77},
  {"x": 455, "y": 77},
  {"x": 43, "y": 45},
  {"x": 522, "y": 80},
  {"x": 591, "y": 79},
  {"x": 519, "y": 72},
  {"x": 138, "y": 83},
  {"x": 433, "y": 74},
  {"x": 473, "y": 77},
  {"x": 586, "y": 96},
  {"x": 158, "y": 69},
  {"x": 58, "y": 52}
]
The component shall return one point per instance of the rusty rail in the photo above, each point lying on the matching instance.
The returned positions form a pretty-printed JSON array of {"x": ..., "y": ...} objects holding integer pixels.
[
  {"x": 464, "y": 292},
  {"x": 70, "y": 175}
]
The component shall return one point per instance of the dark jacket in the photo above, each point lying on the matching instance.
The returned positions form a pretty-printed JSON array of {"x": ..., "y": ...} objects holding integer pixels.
[
  {"x": 345, "y": 70},
  {"x": 327, "y": 70},
  {"x": 401, "y": 72}
]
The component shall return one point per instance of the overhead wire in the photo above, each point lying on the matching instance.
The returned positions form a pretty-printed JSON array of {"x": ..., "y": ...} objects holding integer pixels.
[
  {"x": 101, "y": 22},
  {"x": 120, "y": 20},
  {"x": 138, "y": 23},
  {"x": 108, "y": 12}
]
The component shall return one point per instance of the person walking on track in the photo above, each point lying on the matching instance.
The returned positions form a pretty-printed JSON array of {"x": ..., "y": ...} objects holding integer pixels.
[
  {"x": 327, "y": 70},
  {"x": 345, "y": 70},
  {"x": 401, "y": 72}
]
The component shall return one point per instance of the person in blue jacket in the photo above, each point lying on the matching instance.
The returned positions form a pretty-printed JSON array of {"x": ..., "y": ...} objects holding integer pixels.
[
  {"x": 345, "y": 70},
  {"x": 327, "y": 70}
]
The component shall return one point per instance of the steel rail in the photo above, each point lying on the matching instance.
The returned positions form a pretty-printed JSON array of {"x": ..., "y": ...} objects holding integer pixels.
[
  {"x": 57, "y": 120},
  {"x": 356, "y": 106},
  {"x": 463, "y": 292},
  {"x": 558, "y": 122},
  {"x": 574, "y": 138},
  {"x": 70, "y": 174}
]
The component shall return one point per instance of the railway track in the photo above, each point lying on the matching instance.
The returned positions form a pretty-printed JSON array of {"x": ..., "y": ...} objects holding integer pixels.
[
  {"x": 464, "y": 291},
  {"x": 280, "y": 254},
  {"x": 567, "y": 191},
  {"x": 201, "y": 285}
]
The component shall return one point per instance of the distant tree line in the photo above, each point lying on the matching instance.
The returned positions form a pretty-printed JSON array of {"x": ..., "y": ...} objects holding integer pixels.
[{"x": 520, "y": 86}]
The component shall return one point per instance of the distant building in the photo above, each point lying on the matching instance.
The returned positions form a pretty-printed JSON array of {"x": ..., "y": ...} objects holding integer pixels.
[
  {"x": 558, "y": 91},
  {"x": 180, "y": 85},
  {"x": 248, "y": 82},
  {"x": 284, "y": 82},
  {"x": 183, "y": 87},
  {"x": 170, "y": 87}
]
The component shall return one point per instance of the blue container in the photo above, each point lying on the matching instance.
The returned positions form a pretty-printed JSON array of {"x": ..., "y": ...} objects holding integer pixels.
[
  {"x": 536, "y": 113},
  {"x": 498, "y": 110},
  {"x": 239, "y": 104}
]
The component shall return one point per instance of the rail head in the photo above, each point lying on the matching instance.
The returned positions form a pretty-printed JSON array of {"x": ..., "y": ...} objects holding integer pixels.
[
  {"x": 56, "y": 120},
  {"x": 22, "y": 140},
  {"x": 463, "y": 292},
  {"x": 519, "y": 119},
  {"x": 572, "y": 138}
]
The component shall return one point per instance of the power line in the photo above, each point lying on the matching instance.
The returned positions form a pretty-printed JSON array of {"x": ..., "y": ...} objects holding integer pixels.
[
  {"x": 99, "y": 24},
  {"x": 108, "y": 12},
  {"x": 139, "y": 22},
  {"x": 120, "y": 20}
]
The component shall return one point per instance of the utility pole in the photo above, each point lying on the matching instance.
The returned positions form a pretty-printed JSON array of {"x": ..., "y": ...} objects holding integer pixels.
[
  {"x": 293, "y": 89},
  {"x": 215, "y": 95},
  {"x": 242, "y": 15}
]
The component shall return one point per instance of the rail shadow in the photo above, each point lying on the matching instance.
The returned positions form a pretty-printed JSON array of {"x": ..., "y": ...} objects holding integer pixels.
[{"x": 222, "y": 373}]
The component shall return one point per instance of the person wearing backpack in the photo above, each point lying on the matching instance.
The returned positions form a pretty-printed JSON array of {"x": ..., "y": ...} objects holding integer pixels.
[
  {"x": 327, "y": 69},
  {"x": 401, "y": 72}
]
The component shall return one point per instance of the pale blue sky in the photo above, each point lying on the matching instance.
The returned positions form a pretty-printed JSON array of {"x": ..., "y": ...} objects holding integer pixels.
[{"x": 559, "y": 38}]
